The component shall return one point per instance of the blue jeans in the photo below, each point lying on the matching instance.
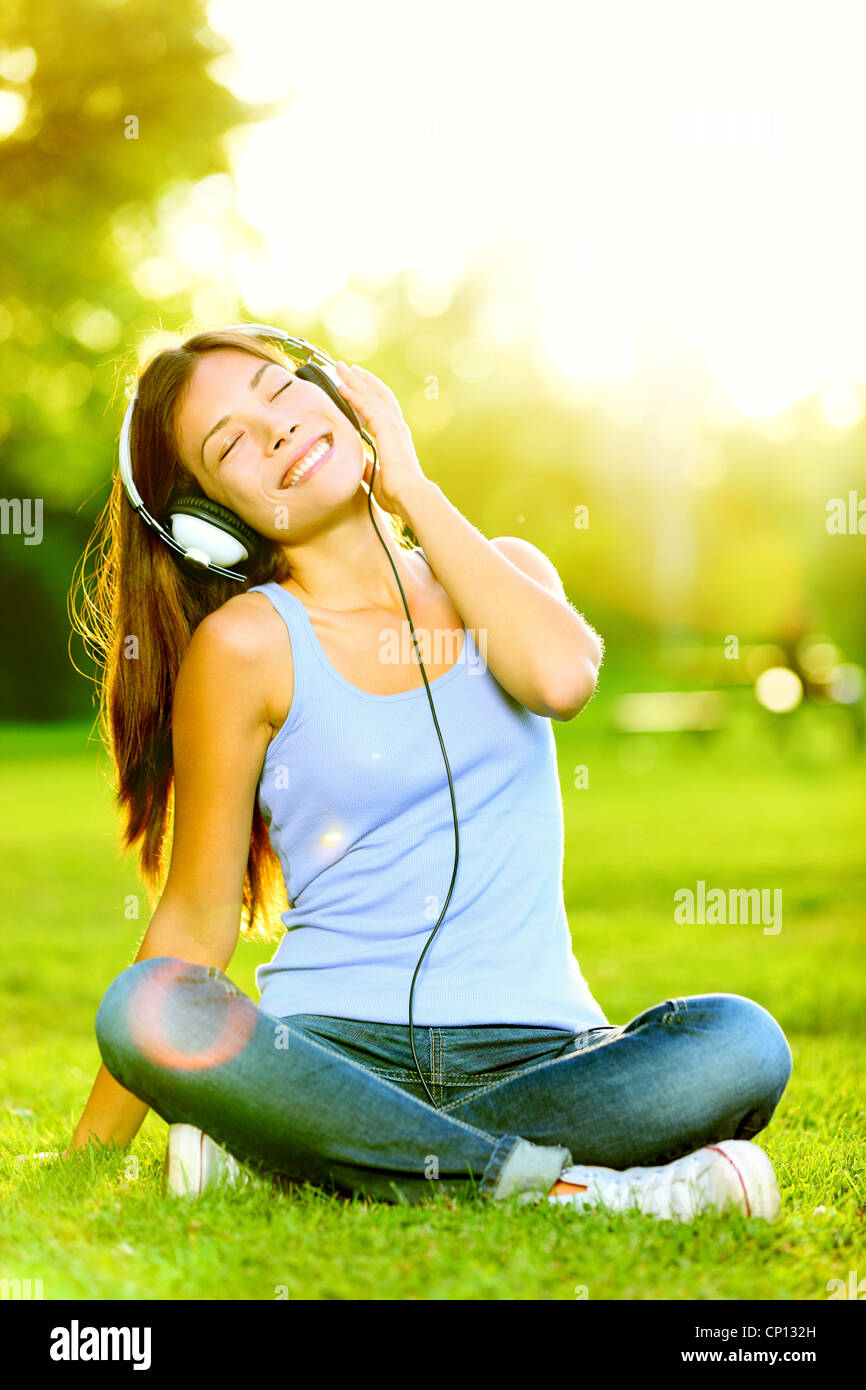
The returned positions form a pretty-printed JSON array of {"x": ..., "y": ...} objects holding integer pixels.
[{"x": 337, "y": 1102}]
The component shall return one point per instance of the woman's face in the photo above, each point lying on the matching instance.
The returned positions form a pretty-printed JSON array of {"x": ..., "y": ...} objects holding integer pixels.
[{"x": 241, "y": 427}]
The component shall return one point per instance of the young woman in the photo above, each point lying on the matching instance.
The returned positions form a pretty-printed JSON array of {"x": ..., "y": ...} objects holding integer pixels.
[{"x": 285, "y": 724}]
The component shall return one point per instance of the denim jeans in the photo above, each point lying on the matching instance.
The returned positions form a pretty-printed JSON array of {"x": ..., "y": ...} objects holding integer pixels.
[{"x": 338, "y": 1103}]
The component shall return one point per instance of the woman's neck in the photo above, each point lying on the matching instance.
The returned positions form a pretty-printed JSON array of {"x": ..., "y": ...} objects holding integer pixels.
[{"x": 345, "y": 568}]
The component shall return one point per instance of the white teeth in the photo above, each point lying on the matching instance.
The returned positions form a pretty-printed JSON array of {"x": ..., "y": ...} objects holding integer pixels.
[{"x": 310, "y": 457}]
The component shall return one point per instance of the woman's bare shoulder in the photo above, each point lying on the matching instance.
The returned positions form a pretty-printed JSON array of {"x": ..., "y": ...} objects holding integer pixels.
[
  {"x": 245, "y": 626},
  {"x": 244, "y": 644}
]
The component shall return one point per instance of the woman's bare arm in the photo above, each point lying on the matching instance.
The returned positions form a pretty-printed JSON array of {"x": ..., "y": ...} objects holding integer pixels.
[{"x": 511, "y": 598}]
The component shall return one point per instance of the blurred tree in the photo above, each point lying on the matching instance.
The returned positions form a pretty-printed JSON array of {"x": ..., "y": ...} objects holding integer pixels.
[{"x": 103, "y": 107}]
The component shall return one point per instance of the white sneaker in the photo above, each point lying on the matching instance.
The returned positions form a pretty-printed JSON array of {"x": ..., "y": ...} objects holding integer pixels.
[
  {"x": 732, "y": 1174},
  {"x": 194, "y": 1161}
]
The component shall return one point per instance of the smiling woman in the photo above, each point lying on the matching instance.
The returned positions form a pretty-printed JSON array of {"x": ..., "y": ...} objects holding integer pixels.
[{"x": 271, "y": 716}]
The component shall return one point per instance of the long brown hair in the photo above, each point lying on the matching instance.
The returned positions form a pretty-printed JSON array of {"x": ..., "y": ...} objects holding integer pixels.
[{"x": 136, "y": 607}]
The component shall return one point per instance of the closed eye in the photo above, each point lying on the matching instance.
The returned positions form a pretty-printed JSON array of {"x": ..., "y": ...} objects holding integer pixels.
[{"x": 237, "y": 437}]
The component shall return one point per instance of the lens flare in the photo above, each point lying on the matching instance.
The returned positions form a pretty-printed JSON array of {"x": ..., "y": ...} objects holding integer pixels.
[{"x": 208, "y": 1009}]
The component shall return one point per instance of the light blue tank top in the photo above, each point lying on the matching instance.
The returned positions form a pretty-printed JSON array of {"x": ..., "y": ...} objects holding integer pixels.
[{"x": 355, "y": 794}]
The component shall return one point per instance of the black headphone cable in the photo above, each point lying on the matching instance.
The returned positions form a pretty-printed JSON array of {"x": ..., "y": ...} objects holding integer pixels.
[{"x": 447, "y": 769}]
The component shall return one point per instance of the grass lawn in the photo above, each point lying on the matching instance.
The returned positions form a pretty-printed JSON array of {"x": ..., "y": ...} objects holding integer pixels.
[{"x": 740, "y": 813}]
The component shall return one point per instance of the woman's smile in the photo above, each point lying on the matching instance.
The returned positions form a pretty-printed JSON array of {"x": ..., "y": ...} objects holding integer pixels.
[{"x": 317, "y": 454}]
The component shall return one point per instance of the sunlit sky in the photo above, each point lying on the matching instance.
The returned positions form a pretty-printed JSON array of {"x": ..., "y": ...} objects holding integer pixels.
[{"x": 684, "y": 178}]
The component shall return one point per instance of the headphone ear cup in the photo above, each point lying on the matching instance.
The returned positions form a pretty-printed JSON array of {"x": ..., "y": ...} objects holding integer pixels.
[
  {"x": 310, "y": 372},
  {"x": 200, "y": 524}
]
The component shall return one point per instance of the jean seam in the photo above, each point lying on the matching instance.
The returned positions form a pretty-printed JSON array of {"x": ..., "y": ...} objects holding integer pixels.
[
  {"x": 441, "y": 1065},
  {"x": 432, "y": 1035},
  {"x": 402, "y": 1075},
  {"x": 445, "y": 1078}
]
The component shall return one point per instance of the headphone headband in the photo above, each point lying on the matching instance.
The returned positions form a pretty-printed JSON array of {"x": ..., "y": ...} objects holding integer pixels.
[{"x": 194, "y": 538}]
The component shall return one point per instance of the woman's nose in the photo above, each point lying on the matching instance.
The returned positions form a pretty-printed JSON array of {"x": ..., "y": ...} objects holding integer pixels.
[{"x": 280, "y": 433}]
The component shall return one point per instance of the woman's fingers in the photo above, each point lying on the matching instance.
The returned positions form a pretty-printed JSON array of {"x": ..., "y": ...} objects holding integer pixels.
[
  {"x": 357, "y": 398},
  {"x": 368, "y": 384}
]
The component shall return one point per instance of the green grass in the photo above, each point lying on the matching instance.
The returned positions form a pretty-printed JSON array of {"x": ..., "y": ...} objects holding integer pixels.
[{"x": 741, "y": 812}]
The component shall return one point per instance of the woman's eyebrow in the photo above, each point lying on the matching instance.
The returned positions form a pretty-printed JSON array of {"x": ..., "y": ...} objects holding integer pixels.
[{"x": 257, "y": 376}]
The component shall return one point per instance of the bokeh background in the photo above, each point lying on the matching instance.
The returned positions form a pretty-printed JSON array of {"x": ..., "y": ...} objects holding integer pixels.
[
  {"x": 610, "y": 259},
  {"x": 605, "y": 262}
]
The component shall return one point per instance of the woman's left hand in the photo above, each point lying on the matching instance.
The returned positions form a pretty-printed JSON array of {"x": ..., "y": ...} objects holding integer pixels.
[{"x": 397, "y": 470}]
